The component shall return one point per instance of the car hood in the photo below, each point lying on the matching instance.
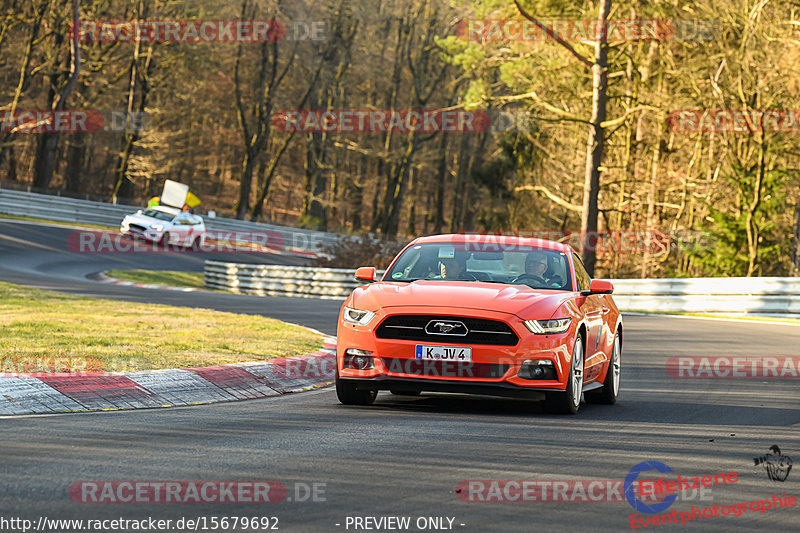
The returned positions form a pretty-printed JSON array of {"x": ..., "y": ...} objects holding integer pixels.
[
  {"x": 145, "y": 220},
  {"x": 519, "y": 300}
]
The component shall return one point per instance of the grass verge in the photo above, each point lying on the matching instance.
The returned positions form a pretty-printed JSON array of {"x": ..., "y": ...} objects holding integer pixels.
[
  {"x": 38, "y": 325},
  {"x": 194, "y": 280}
]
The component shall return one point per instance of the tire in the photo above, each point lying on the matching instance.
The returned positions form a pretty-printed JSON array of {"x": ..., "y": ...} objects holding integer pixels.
[
  {"x": 405, "y": 392},
  {"x": 610, "y": 392},
  {"x": 348, "y": 394},
  {"x": 569, "y": 401},
  {"x": 163, "y": 242}
]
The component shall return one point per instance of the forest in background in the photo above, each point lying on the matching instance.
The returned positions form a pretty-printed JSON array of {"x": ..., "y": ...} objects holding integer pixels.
[{"x": 721, "y": 202}]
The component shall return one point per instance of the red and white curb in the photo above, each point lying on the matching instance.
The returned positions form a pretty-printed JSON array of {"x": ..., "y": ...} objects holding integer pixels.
[{"x": 22, "y": 394}]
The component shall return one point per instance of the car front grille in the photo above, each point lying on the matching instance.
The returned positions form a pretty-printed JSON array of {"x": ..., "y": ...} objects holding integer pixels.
[
  {"x": 420, "y": 328},
  {"x": 446, "y": 369},
  {"x": 137, "y": 227}
]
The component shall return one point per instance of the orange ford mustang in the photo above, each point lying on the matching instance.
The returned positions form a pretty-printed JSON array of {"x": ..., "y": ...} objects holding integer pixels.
[{"x": 493, "y": 315}]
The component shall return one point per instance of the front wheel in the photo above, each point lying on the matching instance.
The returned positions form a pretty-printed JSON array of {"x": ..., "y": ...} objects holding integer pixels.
[
  {"x": 610, "y": 392},
  {"x": 348, "y": 394},
  {"x": 568, "y": 402}
]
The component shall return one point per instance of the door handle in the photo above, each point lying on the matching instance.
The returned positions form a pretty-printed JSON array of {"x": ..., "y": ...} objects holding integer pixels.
[{"x": 605, "y": 310}]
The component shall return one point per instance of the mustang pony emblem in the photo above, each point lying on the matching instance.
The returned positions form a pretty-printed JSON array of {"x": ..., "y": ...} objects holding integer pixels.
[{"x": 445, "y": 327}]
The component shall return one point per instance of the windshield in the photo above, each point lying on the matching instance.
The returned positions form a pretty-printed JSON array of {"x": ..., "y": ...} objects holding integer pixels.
[
  {"x": 534, "y": 267},
  {"x": 160, "y": 215}
]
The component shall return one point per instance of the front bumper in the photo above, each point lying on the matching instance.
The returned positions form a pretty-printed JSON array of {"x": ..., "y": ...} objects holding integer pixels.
[
  {"x": 435, "y": 385},
  {"x": 134, "y": 231}
]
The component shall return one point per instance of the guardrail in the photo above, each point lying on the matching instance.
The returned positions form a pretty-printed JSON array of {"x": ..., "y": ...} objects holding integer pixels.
[
  {"x": 697, "y": 295},
  {"x": 279, "y": 280},
  {"x": 709, "y": 295},
  {"x": 13, "y": 202}
]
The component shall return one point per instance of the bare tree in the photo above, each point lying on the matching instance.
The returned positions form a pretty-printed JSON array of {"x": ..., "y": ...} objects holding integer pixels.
[
  {"x": 595, "y": 142},
  {"x": 48, "y": 141}
]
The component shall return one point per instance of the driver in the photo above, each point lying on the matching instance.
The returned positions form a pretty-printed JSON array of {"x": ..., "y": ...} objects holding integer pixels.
[{"x": 535, "y": 268}]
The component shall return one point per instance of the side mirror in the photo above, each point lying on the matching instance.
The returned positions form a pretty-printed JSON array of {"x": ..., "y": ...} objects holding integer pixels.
[
  {"x": 366, "y": 274},
  {"x": 599, "y": 286}
]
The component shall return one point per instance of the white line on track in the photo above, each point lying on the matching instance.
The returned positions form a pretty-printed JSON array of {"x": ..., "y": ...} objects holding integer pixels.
[{"x": 754, "y": 320}]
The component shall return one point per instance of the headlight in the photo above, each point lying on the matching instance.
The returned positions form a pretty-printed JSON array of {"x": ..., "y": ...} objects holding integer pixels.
[
  {"x": 158, "y": 227},
  {"x": 357, "y": 316},
  {"x": 543, "y": 327}
]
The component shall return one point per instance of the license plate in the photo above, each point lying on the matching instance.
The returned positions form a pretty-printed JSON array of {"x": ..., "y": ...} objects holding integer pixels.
[{"x": 459, "y": 354}]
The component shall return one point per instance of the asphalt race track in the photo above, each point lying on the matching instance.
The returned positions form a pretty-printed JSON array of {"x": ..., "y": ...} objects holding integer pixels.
[{"x": 407, "y": 457}]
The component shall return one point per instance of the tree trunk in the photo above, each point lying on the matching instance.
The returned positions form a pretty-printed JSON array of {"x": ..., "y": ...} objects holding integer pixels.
[
  {"x": 245, "y": 182},
  {"x": 76, "y": 154},
  {"x": 7, "y": 139},
  {"x": 652, "y": 192},
  {"x": 750, "y": 225},
  {"x": 796, "y": 251},
  {"x": 441, "y": 179},
  {"x": 46, "y": 149},
  {"x": 314, "y": 214},
  {"x": 595, "y": 143},
  {"x": 355, "y": 194}
]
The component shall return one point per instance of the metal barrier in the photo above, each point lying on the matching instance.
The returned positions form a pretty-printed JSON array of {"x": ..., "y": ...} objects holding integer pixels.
[
  {"x": 278, "y": 280},
  {"x": 709, "y": 295},
  {"x": 697, "y": 295},
  {"x": 64, "y": 209}
]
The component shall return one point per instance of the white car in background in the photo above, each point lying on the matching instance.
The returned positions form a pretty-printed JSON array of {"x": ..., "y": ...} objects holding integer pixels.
[{"x": 166, "y": 225}]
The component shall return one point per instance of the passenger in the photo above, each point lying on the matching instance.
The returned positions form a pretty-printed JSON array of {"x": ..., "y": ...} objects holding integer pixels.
[
  {"x": 454, "y": 268},
  {"x": 450, "y": 268}
]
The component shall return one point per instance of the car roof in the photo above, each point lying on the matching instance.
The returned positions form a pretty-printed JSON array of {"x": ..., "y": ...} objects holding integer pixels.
[{"x": 489, "y": 239}]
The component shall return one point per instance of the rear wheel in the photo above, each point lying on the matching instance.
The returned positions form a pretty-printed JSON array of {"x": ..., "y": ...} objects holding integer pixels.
[
  {"x": 610, "y": 392},
  {"x": 569, "y": 401},
  {"x": 348, "y": 394}
]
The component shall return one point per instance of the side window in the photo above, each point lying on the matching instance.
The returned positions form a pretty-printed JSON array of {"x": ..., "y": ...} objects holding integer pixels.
[{"x": 580, "y": 272}]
